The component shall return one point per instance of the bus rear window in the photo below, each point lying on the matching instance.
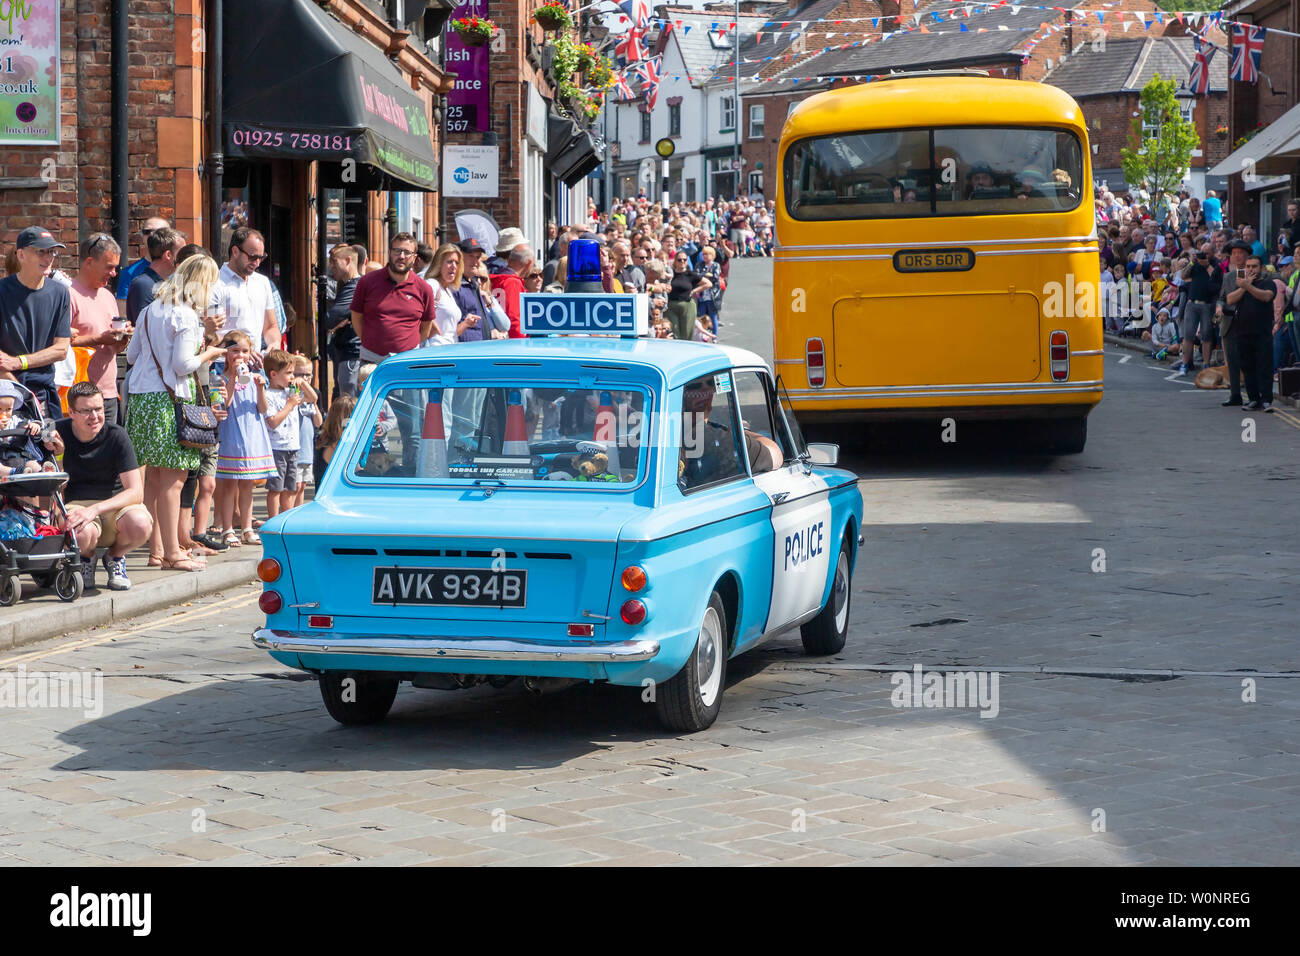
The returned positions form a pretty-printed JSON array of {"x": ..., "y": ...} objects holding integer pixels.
[{"x": 909, "y": 173}]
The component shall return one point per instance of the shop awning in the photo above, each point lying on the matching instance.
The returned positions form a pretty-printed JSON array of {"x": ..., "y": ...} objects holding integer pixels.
[
  {"x": 300, "y": 85},
  {"x": 1274, "y": 150}
]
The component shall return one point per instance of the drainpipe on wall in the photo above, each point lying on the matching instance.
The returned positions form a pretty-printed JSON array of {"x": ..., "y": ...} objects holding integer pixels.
[
  {"x": 121, "y": 158},
  {"x": 216, "y": 159}
]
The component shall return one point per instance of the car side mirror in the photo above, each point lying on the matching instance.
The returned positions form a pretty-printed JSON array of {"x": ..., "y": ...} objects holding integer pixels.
[{"x": 823, "y": 453}]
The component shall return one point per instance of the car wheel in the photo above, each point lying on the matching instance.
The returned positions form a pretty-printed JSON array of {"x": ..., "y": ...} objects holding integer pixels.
[
  {"x": 68, "y": 583},
  {"x": 365, "y": 700},
  {"x": 10, "y": 588},
  {"x": 825, "y": 634},
  {"x": 691, "y": 700}
]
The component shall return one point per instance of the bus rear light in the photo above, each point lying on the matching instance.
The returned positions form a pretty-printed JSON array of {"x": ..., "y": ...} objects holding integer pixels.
[
  {"x": 815, "y": 361},
  {"x": 1059, "y": 351}
]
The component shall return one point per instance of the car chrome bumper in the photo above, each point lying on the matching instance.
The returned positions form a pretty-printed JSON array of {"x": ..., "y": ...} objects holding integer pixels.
[{"x": 451, "y": 648}]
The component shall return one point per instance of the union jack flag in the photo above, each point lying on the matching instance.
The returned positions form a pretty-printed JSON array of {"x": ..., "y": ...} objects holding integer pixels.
[
  {"x": 1247, "y": 45},
  {"x": 622, "y": 88},
  {"x": 1199, "y": 82},
  {"x": 638, "y": 11},
  {"x": 649, "y": 73},
  {"x": 630, "y": 47}
]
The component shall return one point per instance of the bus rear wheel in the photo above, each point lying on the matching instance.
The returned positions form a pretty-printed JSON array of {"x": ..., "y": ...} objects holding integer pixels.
[{"x": 1068, "y": 436}]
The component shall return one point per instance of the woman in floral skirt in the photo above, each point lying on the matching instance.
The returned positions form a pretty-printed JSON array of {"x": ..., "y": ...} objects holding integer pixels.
[{"x": 165, "y": 352}]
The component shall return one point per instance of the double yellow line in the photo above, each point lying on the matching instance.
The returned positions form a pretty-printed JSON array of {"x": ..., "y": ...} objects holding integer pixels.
[
  {"x": 184, "y": 618},
  {"x": 1289, "y": 417}
]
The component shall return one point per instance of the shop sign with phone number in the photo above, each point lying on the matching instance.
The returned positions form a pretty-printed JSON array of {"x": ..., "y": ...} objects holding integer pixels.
[{"x": 304, "y": 141}]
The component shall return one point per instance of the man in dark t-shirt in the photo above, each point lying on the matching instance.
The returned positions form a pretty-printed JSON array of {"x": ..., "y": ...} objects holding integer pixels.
[
  {"x": 105, "y": 495},
  {"x": 1253, "y": 328},
  {"x": 35, "y": 318}
]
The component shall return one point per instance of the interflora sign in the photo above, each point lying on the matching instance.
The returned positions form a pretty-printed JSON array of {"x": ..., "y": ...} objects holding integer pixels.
[
  {"x": 29, "y": 72},
  {"x": 469, "y": 171},
  {"x": 468, "y": 102}
]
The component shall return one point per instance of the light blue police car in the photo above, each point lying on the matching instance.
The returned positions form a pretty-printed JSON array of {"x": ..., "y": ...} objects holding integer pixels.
[{"x": 557, "y": 510}]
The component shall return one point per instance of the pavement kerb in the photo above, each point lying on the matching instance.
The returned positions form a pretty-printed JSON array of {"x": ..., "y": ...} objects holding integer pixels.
[{"x": 21, "y": 625}]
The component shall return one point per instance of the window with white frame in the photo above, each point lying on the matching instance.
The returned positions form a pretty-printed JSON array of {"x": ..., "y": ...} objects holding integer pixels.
[
  {"x": 728, "y": 114},
  {"x": 645, "y": 127},
  {"x": 756, "y": 121},
  {"x": 675, "y": 119}
]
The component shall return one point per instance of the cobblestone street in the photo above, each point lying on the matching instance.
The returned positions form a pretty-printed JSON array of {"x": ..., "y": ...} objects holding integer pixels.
[{"x": 1145, "y": 713}]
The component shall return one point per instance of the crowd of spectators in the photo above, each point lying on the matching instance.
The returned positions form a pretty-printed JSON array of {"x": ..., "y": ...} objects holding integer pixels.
[{"x": 1179, "y": 275}]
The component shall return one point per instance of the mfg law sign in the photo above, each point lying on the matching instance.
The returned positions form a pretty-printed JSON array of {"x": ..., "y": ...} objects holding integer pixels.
[
  {"x": 468, "y": 171},
  {"x": 29, "y": 72}
]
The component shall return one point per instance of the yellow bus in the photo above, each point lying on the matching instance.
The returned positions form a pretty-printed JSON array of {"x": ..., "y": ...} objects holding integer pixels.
[{"x": 937, "y": 255}]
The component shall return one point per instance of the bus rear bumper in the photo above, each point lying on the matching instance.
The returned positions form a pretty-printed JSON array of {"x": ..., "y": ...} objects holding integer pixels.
[{"x": 812, "y": 413}]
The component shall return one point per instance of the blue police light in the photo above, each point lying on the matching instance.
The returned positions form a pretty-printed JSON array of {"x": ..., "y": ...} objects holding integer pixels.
[{"x": 584, "y": 267}]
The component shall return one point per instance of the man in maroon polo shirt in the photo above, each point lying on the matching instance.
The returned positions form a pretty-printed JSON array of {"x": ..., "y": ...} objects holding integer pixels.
[{"x": 392, "y": 309}]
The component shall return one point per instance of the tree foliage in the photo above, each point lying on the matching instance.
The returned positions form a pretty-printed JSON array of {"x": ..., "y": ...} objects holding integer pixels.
[{"x": 1159, "y": 163}]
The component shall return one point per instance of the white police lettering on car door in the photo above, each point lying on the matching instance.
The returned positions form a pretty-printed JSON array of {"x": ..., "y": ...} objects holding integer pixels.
[{"x": 801, "y": 511}]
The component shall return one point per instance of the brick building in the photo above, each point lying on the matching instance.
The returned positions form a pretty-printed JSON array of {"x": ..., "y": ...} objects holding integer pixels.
[
  {"x": 1107, "y": 81},
  {"x": 544, "y": 151},
  {"x": 1264, "y": 173},
  {"x": 279, "y": 60}
]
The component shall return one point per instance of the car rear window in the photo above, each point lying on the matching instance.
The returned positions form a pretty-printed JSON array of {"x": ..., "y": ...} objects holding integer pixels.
[{"x": 508, "y": 432}]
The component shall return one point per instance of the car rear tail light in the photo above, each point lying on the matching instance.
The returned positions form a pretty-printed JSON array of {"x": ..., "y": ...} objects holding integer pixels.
[
  {"x": 582, "y": 630},
  {"x": 815, "y": 361},
  {"x": 320, "y": 620},
  {"x": 1060, "y": 354},
  {"x": 633, "y": 612},
  {"x": 270, "y": 602},
  {"x": 633, "y": 578},
  {"x": 268, "y": 569}
]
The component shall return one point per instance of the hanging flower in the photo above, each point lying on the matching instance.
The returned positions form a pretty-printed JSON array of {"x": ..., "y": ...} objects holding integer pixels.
[
  {"x": 474, "y": 31},
  {"x": 553, "y": 16}
]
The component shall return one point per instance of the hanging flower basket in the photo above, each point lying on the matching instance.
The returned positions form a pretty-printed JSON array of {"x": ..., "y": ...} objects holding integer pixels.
[
  {"x": 473, "y": 31},
  {"x": 553, "y": 16},
  {"x": 1221, "y": 132},
  {"x": 586, "y": 57}
]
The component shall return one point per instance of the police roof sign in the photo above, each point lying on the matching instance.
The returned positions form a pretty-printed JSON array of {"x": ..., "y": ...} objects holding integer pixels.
[
  {"x": 572, "y": 313},
  {"x": 469, "y": 171}
]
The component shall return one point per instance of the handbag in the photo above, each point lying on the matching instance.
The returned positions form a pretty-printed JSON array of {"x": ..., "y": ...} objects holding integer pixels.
[{"x": 196, "y": 422}]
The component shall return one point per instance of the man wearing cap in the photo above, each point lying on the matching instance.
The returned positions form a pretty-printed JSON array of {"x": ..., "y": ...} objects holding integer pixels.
[
  {"x": 1203, "y": 281},
  {"x": 507, "y": 288},
  {"x": 151, "y": 225},
  {"x": 498, "y": 265},
  {"x": 35, "y": 318}
]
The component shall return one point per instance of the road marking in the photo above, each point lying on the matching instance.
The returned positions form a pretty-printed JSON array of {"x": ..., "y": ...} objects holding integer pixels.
[
  {"x": 1174, "y": 374},
  {"x": 208, "y": 611},
  {"x": 1123, "y": 359},
  {"x": 1287, "y": 417}
]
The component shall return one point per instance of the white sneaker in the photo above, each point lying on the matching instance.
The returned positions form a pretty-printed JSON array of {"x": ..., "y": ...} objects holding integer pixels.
[{"x": 117, "y": 579}]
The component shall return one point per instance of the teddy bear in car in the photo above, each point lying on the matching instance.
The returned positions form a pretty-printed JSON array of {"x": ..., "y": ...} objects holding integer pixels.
[{"x": 592, "y": 464}]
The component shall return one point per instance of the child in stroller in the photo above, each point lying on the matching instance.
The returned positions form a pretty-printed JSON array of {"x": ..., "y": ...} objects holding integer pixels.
[
  {"x": 20, "y": 428},
  {"x": 28, "y": 542}
]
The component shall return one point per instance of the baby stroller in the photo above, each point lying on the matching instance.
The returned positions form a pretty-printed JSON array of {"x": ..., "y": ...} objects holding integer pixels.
[{"x": 53, "y": 560}]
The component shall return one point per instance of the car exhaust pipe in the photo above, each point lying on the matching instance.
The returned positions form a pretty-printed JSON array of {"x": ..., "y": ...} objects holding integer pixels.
[{"x": 549, "y": 685}]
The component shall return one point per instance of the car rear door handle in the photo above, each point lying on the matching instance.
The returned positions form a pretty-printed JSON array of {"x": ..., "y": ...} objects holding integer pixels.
[{"x": 779, "y": 497}]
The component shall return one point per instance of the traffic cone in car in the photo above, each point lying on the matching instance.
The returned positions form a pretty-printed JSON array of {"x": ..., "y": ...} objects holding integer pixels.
[
  {"x": 433, "y": 440},
  {"x": 516, "y": 440},
  {"x": 606, "y": 431}
]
